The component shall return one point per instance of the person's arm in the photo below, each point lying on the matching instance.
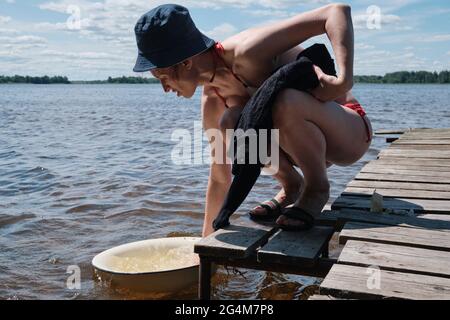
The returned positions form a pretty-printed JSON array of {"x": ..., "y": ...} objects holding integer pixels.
[
  {"x": 334, "y": 20},
  {"x": 220, "y": 174}
]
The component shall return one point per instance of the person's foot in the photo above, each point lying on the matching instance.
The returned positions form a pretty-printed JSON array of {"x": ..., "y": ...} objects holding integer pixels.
[
  {"x": 314, "y": 202},
  {"x": 283, "y": 198}
]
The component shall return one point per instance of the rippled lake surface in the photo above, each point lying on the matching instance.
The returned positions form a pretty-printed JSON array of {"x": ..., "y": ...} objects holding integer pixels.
[{"x": 84, "y": 168}]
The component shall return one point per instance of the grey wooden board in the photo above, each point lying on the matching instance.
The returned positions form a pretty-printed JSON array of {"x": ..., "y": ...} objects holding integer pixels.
[
  {"x": 370, "y": 168},
  {"x": 425, "y": 137},
  {"x": 424, "y": 147},
  {"x": 297, "y": 248},
  {"x": 394, "y": 193},
  {"x": 402, "y": 141},
  {"x": 392, "y": 131},
  {"x": 418, "y": 238},
  {"x": 414, "y": 154},
  {"x": 427, "y": 221},
  {"x": 238, "y": 240},
  {"x": 419, "y": 205},
  {"x": 416, "y": 162},
  {"x": 375, "y": 165},
  {"x": 352, "y": 282},
  {"x": 401, "y": 185},
  {"x": 396, "y": 258},
  {"x": 318, "y": 297},
  {"x": 401, "y": 177}
]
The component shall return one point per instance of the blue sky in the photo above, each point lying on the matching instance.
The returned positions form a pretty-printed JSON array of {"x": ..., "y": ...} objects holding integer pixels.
[{"x": 46, "y": 37}]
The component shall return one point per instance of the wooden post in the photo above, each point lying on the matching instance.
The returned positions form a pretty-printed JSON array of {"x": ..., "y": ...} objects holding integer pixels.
[
  {"x": 325, "y": 252},
  {"x": 204, "y": 290}
]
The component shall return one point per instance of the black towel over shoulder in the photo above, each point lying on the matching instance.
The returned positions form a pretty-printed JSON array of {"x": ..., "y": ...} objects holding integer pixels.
[{"x": 257, "y": 115}]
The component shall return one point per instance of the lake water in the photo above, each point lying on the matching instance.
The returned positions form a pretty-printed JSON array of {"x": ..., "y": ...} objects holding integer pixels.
[{"x": 84, "y": 168}]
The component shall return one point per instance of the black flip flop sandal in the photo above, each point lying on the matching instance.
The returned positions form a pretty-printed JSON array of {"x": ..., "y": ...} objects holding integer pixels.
[
  {"x": 298, "y": 214},
  {"x": 272, "y": 213}
]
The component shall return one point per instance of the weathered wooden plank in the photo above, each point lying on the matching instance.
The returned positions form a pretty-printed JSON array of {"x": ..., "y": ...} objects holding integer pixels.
[
  {"x": 419, "y": 148},
  {"x": 401, "y": 141},
  {"x": 396, "y": 258},
  {"x": 399, "y": 185},
  {"x": 418, "y": 205},
  {"x": 401, "y": 177},
  {"x": 417, "y": 162},
  {"x": 392, "y": 131},
  {"x": 372, "y": 165},
  {"x": 318, "y": 297},
  {"x": 429, "y": 154},
  {"x": 370, "y": 168},
  {"x": 238, "y": 240},
  {"x": 418, "y": 238},
  {"x": 296, "y": 248},
  {"x": 395, "y": 193},
  {"x": 338, "y": 218},
  {"x": 360, "y": 283}
]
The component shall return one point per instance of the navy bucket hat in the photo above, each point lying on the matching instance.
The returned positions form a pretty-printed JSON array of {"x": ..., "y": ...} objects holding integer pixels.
[{"x": 165, "y": 36}]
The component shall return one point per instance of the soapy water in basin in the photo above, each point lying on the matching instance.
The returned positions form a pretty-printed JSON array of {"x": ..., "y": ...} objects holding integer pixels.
[{"x": 155, "y": 260}]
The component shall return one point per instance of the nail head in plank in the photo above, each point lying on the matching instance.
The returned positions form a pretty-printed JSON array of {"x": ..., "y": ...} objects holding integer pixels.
[
  {"x": 396, "y": 258},
  {"x": 352, "y": 282}
]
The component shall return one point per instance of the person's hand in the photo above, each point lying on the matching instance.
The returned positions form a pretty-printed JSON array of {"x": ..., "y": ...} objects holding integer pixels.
[{"x": 330, "y": 87}]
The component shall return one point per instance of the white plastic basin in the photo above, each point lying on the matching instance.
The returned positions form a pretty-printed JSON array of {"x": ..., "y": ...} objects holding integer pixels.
[{"x": 157, "y": 265}]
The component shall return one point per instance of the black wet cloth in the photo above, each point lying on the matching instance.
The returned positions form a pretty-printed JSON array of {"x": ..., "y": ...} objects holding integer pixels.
[{"x": 257, "y": 114}]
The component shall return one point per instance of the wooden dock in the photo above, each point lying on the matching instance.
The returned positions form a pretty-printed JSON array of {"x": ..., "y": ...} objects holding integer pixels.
[{"x": 402, "y": 252}]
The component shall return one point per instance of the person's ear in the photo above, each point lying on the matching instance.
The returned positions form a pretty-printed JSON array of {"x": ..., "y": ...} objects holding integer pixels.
[{"x": 187, "y": 64}]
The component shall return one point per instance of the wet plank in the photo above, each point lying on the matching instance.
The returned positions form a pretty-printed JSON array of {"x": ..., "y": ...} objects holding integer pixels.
[
  {"x": 418, "y": 205},
  {"x": 400, "y": 185},
  {"x": 412, "y": 237},
  {"x": 239, "y": 240},
  {"x": 397, "y": 193},
  {"x": 356, "y": 282},
  {"x": 401, "y": 177},
  {"x": 396, "y": 258},
  {"x": 301, "y": 248},
  {"x": 339, "y": 218}
]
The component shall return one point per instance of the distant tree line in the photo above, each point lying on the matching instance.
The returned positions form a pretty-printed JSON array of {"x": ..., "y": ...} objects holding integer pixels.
[
  {"x": 394, "y": 77},
  {"x": 35, "y": 80},
  {"x": 407, "y": 77},
  {"x": 130, "y": 80}
]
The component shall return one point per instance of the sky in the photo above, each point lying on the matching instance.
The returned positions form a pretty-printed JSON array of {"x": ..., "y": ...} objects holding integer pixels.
[{"x": 90, "y": 40}]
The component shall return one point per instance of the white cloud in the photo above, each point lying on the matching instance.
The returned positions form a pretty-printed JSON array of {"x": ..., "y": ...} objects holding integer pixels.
[
  {"x": 221, "y": 32},
  {"x": 4, "y": 19},
  {"x": 435, "y": 38},
  {"x": 23, "y": 40}
]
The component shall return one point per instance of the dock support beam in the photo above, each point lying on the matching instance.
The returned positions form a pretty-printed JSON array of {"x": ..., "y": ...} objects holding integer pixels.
[{"x": 205, "y": 279}]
